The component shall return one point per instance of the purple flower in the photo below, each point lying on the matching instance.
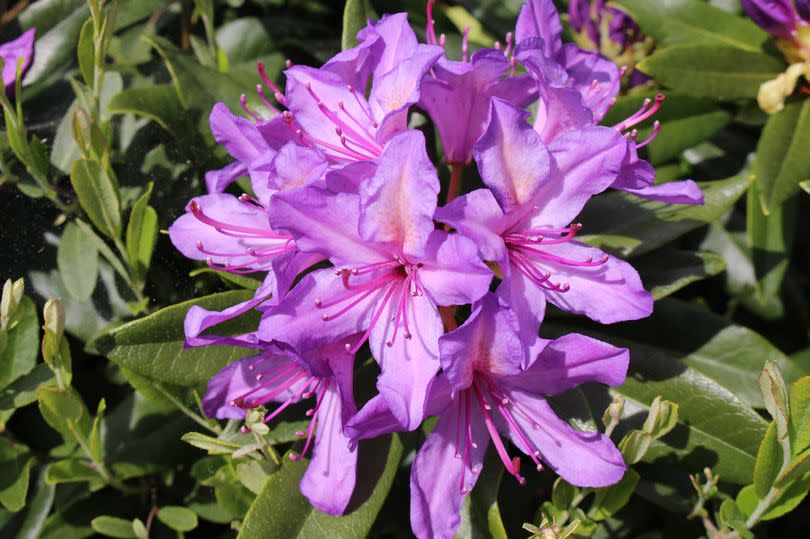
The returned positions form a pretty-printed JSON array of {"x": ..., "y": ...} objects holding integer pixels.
[
  {"x": 456, "y": 94},
  {"x": 483, "y": 394},
  {"x": 277, "y": 374},
  {"x": 523, "y": 222},
  {"x": 777, "y": 17},
  {"x": 12, "y": 51},
  {"x": 394, "y": 269},
  {"x": 589, "y": 16},
  {"x": 568, "y": 102}
]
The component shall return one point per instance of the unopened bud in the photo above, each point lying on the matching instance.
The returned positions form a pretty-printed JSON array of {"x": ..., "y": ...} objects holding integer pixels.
[
  {"x": 10, "y": 300},
  {"x": 613, "y": 414},
  {"x": 54, "y": 314}
]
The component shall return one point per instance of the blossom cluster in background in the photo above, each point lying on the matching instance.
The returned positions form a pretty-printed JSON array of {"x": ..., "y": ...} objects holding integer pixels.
[{"x": 364, "y": 247}]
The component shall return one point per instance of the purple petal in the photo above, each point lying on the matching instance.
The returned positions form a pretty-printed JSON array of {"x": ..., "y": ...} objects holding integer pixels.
[
  {"x": 596, "y": 78},
  {"x": 399, "y": 39},
  {"x": 356, "y": 64},
  {"x": 477, "y": 216},
  {"x": 12, "y": 51},
  {"x": 329, "y": 481},
  {"x": 238, "y": 135},
  {"x": 188, "y": 233},
  {"x": 398, "y": 202},
  {"x": 293, "y": 166},
  {"x": 513, "y": 161},
  {"x": 325, "y": 222},
  {"x": 409, "y": 364},
  {"x": 236, "y": 379},
  {"x": 451, "y": 272},
  {"x": 394, "y": 93},
  {"x": 776, "y": 17},
  {"x": 348, "y": 179},
  {"x": 588, "y": 161},
  {"x": 607, "y": 293},
  {"x": 438, "y": 475},
  {"x": 487, "y": 342},
  {"x": 685, "y": 192},
  {"x": 803, "y": 8},
  {"x": 298, "y": 321},
  {"x": 529, "y": 305},
  {"x": 570, "y": 361},
  {"x": 584, "y": 459},
  {"x": 287, "y": 267},
  {"x": 539, "y": 18},
  {"x": 216, "y": 181}
]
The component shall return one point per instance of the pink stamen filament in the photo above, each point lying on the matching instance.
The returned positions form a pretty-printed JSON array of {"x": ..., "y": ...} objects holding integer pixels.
[
  {"x": 278, "y": 94},
  {"x": 311, "y": 428},
  {"x": 430, "y": 27},
  {"x": 243, "y": 402},
  {"x": 543, "y": 280},
  {"x": 642, "y": 114},
  {"x": 243, "y": 102},
  {"x": 268, "y": 104},
  {"x": 364, "y": 290},
  {"x": 529, "y": 251},
  {"x": 499, "y": 397},
  {"x": 656, "y": 131},
  {"x": 365, "y": 140},
  {"x": 375, "y": 319},
  {"x": 292, "y": 400},
  {"x": 220, "y": 226},
  {"x": 511, "y": 465},
  {"x": 465, "y": 36}
]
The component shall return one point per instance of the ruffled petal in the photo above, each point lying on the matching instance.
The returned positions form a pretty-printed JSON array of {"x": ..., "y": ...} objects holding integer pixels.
[
  {"x": 514, "y": 163},
  {"x": 12, "y": 51},
  {"x": 398, "y": 202},
  {"x": 216, "y": 181},
  {"x": 239, "y": 136},
  {"x": 539, "y": 18}
]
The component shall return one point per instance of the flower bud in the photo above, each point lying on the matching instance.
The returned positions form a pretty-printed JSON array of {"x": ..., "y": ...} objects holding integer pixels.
[
  {"x": 54, "y": 313},
  {"x": 777, "y": 17},
  {"x": 11, "y": 298}
]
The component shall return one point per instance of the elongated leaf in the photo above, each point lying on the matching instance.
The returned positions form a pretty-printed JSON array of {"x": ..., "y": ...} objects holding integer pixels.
[
  {"x": 158, "y": 103},
  {"x": 38, "y": 508},
  {"x": 770, "y": 238},
  {"x": 77, "y": 258},
  {"x": 71, "y": 471},
  {"x": 22, "y": 391},
  {"x": 671, "y": 22},
  {"x": 769, "y": 461},
  {"x": 142, "y": 232},
  {"x": 782, "y": 161},
  {"x": 712, "y": 71},
  {"x": 355, "y": 15},
  {"x": 19, "y": 355},
  {"x": 280, "y": 511},
  {"x": 86, "y": 52},
  {"x": 153, "y": 345},
  {"x": 98, "y": 196},
  {"x": 800, "y": 415},
  {"x": 630, "y": 226}
]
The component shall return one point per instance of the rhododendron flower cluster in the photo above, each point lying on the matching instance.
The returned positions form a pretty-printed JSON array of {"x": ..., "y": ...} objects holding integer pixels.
[{"x": 363, "y": 249}]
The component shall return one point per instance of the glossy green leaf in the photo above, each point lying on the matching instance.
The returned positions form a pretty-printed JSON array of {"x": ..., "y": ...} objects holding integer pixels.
[
  {"x": 799, "y": 425},
  {"x": 86, "y": 52},
  {"x": 64, "y": 411},
  {"x": 795, "y": 470},
  {"x": 769, "y": 462},
  {"x": 77, "y": 259},
  {"x": 280, "y": 511},
  {"x": 666, "y": 270},
  {"x": 142, "y": 230},
  {"x": 214, "y": 446},
  {"x": 39, "y": 505},
  {"x": 153, "y": 345},
  {"x": 98, "y": 196},
  {"x": 71, "y": 471},
  {"x": 785, "y": 502},
  {"x": 178, "y": 518},
  {"x": 159, "y": 103},
  {"x": 712, "y": 71},
  {"x": 782, "y": 161},
  {"x": 672, "y": 22},
  {"x": 22, "y": 391},
  {"x": 630, "y": 226},
  {"x": 19, "y": 355},
  {"x": 611, "y": 499},
  {"x": 113, "y": 527},
  {"x": 355, "y": 15}
]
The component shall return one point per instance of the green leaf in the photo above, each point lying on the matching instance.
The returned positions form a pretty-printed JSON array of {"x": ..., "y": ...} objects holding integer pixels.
[
  {"x": 769, "y": 462},
  {"x": 71, "y": 471},
  {"x": 153, "y": 345},
  {"x": 775, "y": 397},
  {"x": 785, "y": 502},
  {"x": 667, "y": 270},
  {"x": 781, "y": 154},
  {"x": 611, "y": 499},
  {"x": 770, "y": 239},
  {"x": 158, "y": 103},
  {"x": 113, "y": 527},
  {"x": 355, "y": 15},
  {"x": 672, "y": 22},
  {"x": 142, "y": 232},
  {"x": 77, "y": 259},
  {"x": 711, "y": 71},
  {"x": 15, "y": 461},
  {"x": 799, "y": 426},
  {"x": 98, "y": 196},
  {"x": 139, "y": 529},
  {"x": 64, "y": 411},
  {"x": 21, "y": 349},
  {"x": 685, "y": 122},
  {"x": 280, "y": 511},
  {"x": 731, "y": 516},
  {"x": 86, "y": 52},
  {"x": 563, "y": 493},
  {"x": 178, "y": 518},
  {"x": 630, "y": 226},
  {"x": 38, "y": 508},
  {"x": 22, "y": 391},
  {"x": 663, "y": 417},
  {"x": 635, "y": 445},
  {"x": 805, "y": 185},
  {"x": 797, "y": 469}
]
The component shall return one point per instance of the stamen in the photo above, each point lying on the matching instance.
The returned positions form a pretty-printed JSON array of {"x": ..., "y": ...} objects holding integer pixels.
[
  {"x": 220, "y": 226},
  {"x": 511, "y": 465},
  {"x": 243, "y": 102},
  {"x": 465, "y": 36},
  {"x": 278, "y": 94},
  {"x": 509, "y": 43},
  {"x": 642, "y": 114},
  {"x": 260, "y": 93},
  {"x": 656, "y": 131}
]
